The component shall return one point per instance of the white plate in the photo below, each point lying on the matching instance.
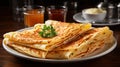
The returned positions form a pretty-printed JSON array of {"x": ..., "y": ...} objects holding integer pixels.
[
  {"x": 101, "y": 52},
  {"x": 78, "y": 17}
]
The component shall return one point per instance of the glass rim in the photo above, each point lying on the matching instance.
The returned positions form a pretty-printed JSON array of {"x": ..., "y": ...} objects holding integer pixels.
[
  {"x": 38, "y": 6},
  {"x": 56, "y": 7}
]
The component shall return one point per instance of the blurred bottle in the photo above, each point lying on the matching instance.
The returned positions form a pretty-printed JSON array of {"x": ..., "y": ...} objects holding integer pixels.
[
  {"x": 118, "y": 7},
  {"x": 111, "y": 11}
]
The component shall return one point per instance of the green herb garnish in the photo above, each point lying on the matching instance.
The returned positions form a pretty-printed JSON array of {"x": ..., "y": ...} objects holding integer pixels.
[{"x": 47, "y": 31}]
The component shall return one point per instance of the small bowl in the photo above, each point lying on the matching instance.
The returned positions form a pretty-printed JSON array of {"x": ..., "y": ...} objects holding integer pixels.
[{"x": 93, "y": 14}]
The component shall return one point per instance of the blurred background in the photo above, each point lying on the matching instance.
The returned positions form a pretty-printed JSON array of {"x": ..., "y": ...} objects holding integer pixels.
[{"x": 7, "y": 5}]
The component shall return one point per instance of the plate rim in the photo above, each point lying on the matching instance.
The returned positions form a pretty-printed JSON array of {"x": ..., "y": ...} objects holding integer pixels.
[
  {"x": 13, "y": 52},
  {"x": 95, "y": 24}
]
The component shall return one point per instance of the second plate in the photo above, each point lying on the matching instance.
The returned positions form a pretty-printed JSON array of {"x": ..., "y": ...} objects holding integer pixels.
[{"x": 79, "y": 18}]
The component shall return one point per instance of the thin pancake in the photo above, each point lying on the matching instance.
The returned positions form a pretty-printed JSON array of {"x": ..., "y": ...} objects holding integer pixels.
[
  {"x": 65, "y": 33},
  {"x": 29, "y": 51},
  {"x": 87, "y": 43}
]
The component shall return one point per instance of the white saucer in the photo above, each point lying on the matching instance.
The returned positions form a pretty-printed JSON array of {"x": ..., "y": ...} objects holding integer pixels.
[{"x": 78, "y": 18}]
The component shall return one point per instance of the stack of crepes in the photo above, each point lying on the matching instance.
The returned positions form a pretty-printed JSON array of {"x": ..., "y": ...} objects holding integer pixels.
[{"x": 73, "y": 40}]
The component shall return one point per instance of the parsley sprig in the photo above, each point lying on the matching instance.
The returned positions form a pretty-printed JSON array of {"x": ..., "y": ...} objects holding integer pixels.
[{"x": 47, "y": 31}]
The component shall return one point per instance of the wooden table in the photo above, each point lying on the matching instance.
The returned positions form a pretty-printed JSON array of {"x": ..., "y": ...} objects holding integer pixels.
[{"x": 7, "y": 24}]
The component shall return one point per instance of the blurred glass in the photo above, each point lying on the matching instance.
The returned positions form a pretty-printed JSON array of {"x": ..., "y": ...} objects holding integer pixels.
[
  {"x": 18, "y": 7},
  {"x": 71, "y": 5},
  {"x": 72, "y": 9},
  {"x": 57, "y": 13},
  {"x": 111, "y": 11},
  {"x": 34, "y": 15},
  {"x": 118, "y": 7}
]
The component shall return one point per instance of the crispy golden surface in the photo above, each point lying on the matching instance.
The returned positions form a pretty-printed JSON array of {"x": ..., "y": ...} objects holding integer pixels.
[
  {"x": 73, "y": 40},
  {"x": 31, "y": 38}
]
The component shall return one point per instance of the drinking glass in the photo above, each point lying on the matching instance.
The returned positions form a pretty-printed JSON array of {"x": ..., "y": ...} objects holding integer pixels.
[
  {"x": 18, "y": 7},
  {"x": 57, "y": 13},
  {"x": 34, "y": 15}
]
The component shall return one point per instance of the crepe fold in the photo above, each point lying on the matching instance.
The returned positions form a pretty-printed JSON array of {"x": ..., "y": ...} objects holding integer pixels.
[
  {"x": 72, "y": 46},
  {"x": 31, "y": 38}
]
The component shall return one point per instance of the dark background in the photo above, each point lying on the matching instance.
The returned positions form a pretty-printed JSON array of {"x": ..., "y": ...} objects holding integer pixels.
[
  {"x": 81, "y": 3},
  {"x": 6, "y": 5}
]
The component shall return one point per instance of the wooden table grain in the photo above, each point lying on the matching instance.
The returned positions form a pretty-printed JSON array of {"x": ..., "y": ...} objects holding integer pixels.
[{"x": 7, "y": 24}]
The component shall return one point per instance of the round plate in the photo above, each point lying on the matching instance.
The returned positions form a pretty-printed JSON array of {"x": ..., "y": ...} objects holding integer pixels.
[
  {"x": 79, "y": 18},
  {"x": 98, "y": 53}
]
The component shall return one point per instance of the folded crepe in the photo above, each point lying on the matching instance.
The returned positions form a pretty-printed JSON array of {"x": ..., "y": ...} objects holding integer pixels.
[
  {"x": 65, "y": 32},
  {"x": 86, "y": 43}
]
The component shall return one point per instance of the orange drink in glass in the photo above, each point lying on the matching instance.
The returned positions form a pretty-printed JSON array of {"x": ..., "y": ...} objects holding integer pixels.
[{"x": 34, "y": 16}]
